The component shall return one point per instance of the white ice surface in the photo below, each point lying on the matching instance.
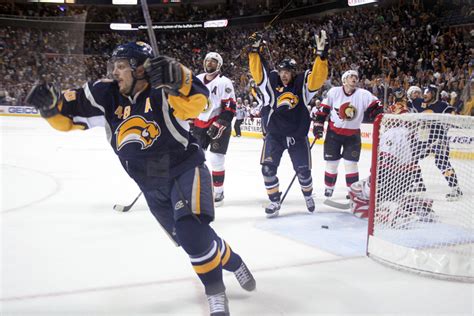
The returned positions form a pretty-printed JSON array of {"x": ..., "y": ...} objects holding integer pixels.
[{"x": 64, "y": 251}]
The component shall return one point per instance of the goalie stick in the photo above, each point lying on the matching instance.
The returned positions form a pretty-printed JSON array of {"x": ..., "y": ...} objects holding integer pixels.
[
  {"x": 342, "y": 206},
  {"x": 122, "y": 208}
]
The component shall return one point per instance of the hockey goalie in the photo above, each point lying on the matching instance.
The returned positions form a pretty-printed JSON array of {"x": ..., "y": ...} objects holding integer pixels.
[{"x": 403, "y": 203}]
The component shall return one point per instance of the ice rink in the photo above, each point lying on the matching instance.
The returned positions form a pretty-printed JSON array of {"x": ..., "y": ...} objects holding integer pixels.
[{"x": 65, "y": 251}]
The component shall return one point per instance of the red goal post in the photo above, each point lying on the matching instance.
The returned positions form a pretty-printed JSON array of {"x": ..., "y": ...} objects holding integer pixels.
[{"x": 421, "y": 212}]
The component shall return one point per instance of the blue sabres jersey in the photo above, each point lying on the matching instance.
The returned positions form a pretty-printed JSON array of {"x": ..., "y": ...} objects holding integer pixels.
[
  {"x": 149, "y": 133},
  {"x": 419, "y": 106},
  {"x": 287, "y": 113}
]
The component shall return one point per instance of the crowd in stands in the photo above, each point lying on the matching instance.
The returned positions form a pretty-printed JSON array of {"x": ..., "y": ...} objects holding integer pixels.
[{"x": 393, "y": 47}]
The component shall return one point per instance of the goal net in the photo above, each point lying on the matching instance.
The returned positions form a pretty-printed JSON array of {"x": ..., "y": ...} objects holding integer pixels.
[{"x": 421, "y": 209}]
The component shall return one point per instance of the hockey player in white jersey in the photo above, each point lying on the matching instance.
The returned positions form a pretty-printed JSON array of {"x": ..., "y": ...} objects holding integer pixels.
[
  {"x": 347, "y": 106},
  {"x": 213, "y": 128}
]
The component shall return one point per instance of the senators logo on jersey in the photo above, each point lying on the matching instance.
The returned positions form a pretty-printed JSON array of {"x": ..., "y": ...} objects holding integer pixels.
[
  {"x": 288, "y": 99},
  {"x": 137, "y": 129},
  {"x": 347, "y": 111}
]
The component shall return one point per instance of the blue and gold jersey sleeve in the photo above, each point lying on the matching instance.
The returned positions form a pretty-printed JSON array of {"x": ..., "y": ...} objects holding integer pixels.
[
  {"x": 318, "y": 75},
  {"x": 192, "y": 100},
  {"x": 78, "y": 108}
]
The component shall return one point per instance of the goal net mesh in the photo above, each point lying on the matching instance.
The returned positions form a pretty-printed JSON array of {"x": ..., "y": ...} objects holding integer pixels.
[{"x": 423, "y": 193}]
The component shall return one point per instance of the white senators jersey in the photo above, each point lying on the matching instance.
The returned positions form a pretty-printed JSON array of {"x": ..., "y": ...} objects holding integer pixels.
[
  {"x": 220, "y": 90},
  {"x": 347, "y": 111}
]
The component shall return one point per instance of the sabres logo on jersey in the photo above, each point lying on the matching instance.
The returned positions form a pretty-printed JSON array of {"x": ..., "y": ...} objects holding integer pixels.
[
  {"x": 137, "y": 129},
  {"x": 288, "y": 99},
  {"x": 347, "y": 112}
]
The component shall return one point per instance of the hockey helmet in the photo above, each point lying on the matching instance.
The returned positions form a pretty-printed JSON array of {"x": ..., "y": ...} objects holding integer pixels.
[
  {"x": 217, "y": 57},
  {"x": 411, "y": 90},
  {"x": 431, "y": 88},
  {"x": 444, "y": 94},
  {"x": 399, "y": 93},
  {"x": 134, "y": 52},
  {"x": 288, "y": 64},
  {"x": 349, "y": 73}
]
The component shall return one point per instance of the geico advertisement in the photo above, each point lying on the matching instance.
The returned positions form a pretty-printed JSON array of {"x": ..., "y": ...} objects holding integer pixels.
[{"x": 18, "y": 110}]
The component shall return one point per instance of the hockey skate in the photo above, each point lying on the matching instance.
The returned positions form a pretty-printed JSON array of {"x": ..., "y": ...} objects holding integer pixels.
[
  {"x": 454, "y": 195},
  {"x": 218, "y": 304},
  {"x": 309, "y": 203},
  {"x": 328, "y": 192},
  {"x": 272, "y": 209},
  {"x": 219, "y": 198},
  {"x": 245, "y": 277}
]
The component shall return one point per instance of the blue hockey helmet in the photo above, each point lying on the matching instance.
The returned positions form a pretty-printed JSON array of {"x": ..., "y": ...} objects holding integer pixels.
[
  {"x": 399, "y": 93},
  {"x": 134, "y": 52},
  {"x": 431, "y": 88},
  {"x": 287, "y": 63}
]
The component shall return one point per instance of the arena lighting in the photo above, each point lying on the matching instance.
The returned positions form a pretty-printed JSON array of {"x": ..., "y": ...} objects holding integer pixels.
[
  {"x": 353, "y": 3},
  {"x": 216, "y": 23},
  {"x": 124, "y": 2},
  {"x": 122, "y": 27}
]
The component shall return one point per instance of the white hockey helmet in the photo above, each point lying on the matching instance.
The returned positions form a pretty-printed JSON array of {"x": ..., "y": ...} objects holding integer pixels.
[
  {"x": 349, "y": 73},
  {"x": 217, "y": 57},
  {"x": 411, "y": 90}
]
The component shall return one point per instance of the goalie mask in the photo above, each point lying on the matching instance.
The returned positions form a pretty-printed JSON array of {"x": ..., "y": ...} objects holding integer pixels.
[{"x": 217, "y": 57}]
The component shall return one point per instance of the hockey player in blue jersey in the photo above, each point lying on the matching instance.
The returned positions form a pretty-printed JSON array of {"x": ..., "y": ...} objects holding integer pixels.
[
  {"x": 145, "y": 111},
  {"x": 438, "y": 140},
  {"x": 286, "y": 94}
]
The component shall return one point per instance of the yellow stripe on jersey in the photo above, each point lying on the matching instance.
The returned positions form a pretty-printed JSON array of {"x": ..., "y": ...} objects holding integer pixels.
[
  {"x": 63, "y": 123},
  {"x": 318, "y": 74},
  {"x": 256, "y": 67},
  {"x": 209, "y": 266},
  {"x": 262, "y": 155},
  {"x": 226, "y": 254},
  {"x": 187, "y": 107},
  {"x": 187, "y": 81},
  {"x": 196, "y": 195}
]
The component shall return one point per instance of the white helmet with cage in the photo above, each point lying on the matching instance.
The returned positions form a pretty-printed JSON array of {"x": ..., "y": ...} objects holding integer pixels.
[{"x": 217, "y": 57}]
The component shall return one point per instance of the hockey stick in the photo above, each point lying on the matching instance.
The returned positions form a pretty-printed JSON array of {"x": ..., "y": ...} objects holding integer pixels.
[
  {"x": 122, "y": 208},
  {"x": 342, "y": 206},
  {"x": 149, "y": 27},
  {"x": 154, "y": 46},
  {"x": 294, "y": 177},
  {"x": 265, "y": 28},
  {"x": 278, "y": 15}
]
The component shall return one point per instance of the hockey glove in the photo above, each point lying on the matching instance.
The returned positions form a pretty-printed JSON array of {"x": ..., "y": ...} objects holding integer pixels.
[
  {"x": 318, "y": 129},
  {"x": 322, "y": 44},
  {"x": 217, "y": 128},
  {"x": 255, "y": 41},
  {"x": 165, "y": 72},
  {"x": 44, "y": 97}
]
